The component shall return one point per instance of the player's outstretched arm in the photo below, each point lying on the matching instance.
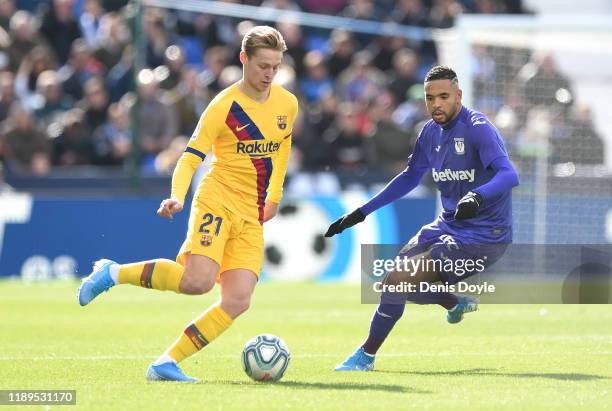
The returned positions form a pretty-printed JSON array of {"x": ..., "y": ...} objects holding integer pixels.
[
  {"x": 344, "y": 222},
  {"x": 169, "y": 207}
]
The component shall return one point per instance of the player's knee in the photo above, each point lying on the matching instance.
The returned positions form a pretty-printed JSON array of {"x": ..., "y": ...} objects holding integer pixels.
[
  {"x": 236, "y": 305},
  {"x": 197, "y": 283}
]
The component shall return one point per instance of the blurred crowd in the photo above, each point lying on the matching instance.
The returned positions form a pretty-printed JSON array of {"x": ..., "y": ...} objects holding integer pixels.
[
  {"x": 70, "y": 96},
  {"x": 534, "y": 105}
]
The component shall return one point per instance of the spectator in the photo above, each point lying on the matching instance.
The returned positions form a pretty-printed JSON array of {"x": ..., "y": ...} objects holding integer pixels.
[
  {"x": 167, "y": 159},
  {"x": 444, "y": 12},
  {"x": 316, "y": 152},
  {"x": 414, "y": 13},
  {"x": 215, "y": 59},
  {"x": 158, "y": 37},
  {"x": 24, "y": 38},
  {"x": 317, "y": 82},
  {"x": 231, "y": 74},
  {"x": 60, "y": 28},
  {"x": 389, "y": 144},
  {"x": 157, "y": 120},
  {"x": 26, "y": 147},
  {"x": 7, "y": 10},
  {"x": 583, "y": 145},
  {"x": 53, "y": 102},
  {"x": 383, "y": 49},
  {"x": 190, "y": 99},
  {"x": 72, "y": 146},
  {"x": 170, "y": 73},
  {"x": 294, "y": 39},
  {"x": 404, "y": 75},
  {"x": 112, "y": 141},
  {"x": 114, "y": 37},
  {"x": 218, "y": 30},
  {"x": 544, "y": 85},
  {"x": 411, "y": 13},
  {"x": 533, "y": 140},
  {"x": 7, "y": 93},
  {"x": 364, "y": 10},
  {"x": 95, "y": 103},
  {"x": 347, "y": 143},
  {"x": 360, "y": 81},
  {"x": 120, "y": 78},
  {"x": 342, "y": 50},
  {"x": 91, "y": 24},
  {"x": 78, "y": 69},
  {"x": 39, "y": 59},
  {"x": 412, "y": 111}
]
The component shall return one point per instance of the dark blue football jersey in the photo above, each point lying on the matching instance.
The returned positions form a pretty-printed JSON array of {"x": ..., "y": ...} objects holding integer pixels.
[{"x": 458, "y": 157}]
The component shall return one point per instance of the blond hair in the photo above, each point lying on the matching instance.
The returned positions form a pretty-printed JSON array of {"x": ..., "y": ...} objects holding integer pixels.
[{"x": 263, "y": 37}]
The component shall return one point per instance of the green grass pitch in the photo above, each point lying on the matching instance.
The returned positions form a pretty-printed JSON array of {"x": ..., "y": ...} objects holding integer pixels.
[{"x": 503, "y": 357}]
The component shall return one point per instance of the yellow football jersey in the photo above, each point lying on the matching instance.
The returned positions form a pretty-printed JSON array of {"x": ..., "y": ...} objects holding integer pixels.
[{"x": 251, "y": 142}]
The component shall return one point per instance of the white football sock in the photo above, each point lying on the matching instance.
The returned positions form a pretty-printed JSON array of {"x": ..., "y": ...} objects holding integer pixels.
[
  {"x": 114, "y": 273},
  {"x": 164, "y": 358}
]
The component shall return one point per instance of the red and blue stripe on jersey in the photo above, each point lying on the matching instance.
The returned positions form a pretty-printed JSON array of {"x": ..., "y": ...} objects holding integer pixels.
[{"x": 236, "y": 119}]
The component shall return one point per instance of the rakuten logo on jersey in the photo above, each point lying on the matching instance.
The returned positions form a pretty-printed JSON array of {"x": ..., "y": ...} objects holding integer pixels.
[
  {"x": 256, "y": 148},
  {"x": 453, "y": 175}
]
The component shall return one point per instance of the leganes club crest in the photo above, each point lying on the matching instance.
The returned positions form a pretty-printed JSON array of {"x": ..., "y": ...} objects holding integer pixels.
[{"x": 459, "y": 146}]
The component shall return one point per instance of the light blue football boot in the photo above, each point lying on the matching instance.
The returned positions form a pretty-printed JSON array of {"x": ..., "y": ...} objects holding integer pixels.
[
  {"x": 168, "y": 371},
  {"x": 357, "y": 361},
  {"x": 97, "y": 282},
  {"x": 466, "y": 304}
]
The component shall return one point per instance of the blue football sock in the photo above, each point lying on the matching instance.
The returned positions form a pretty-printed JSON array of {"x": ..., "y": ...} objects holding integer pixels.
[{"x": 388, "y": 312}]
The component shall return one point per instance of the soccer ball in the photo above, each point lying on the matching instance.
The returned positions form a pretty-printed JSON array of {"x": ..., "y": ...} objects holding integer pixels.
[{"x": 265, "y": 357}]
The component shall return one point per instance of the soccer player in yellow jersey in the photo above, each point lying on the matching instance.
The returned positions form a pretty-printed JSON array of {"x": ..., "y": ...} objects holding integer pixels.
[{"x": 248, "y": 126}]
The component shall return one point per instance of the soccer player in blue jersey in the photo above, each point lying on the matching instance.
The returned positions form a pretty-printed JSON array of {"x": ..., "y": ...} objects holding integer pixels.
[{"x": 465, "y": 154}]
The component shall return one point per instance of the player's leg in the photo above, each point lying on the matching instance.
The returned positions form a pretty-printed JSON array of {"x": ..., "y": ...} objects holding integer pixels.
[
  {"x": 388, "y": 312},
  {"x": 237, "y": 287},
  {"x": 199, "y": 277},
  {"x": 238, "y": 276},
  {"x": 242, "y": 259},
  {"x": 204, "y": 237}
]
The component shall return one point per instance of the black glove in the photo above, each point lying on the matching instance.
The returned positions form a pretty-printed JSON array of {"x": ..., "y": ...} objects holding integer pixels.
[
  {"x": 468, "y": 206},
  {"x": 344, "y": 222}
]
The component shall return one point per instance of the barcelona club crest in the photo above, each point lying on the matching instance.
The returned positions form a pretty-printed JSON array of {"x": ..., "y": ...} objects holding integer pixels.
[
  {"x": 281, "y": 121},
  {"x": 206, "y": 240},
  {"x": 459, "y": 146}
]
